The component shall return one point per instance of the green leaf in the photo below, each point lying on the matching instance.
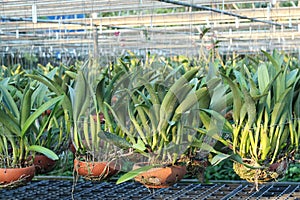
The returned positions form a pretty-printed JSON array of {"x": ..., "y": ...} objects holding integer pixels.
[
  {"x": 238, "y": 158},
  {"x": 134, "y": 173},
  {"x": 209, "y": 148},
  {"x": 55, "y": 87},
  {"x": 276, "y": 62},
  {"x": 9, "y": 102},
  {"x": 43, "y": 150},
  {"x": 235, "y": 157},
  {"x": 220, "y": 120},
  {"x": 291, "y": 77},
  {"x": 191, "y": 100},
  {"x": 264, "y": 145},
  {"x": 219, "y": 158},
  {"x": 140, "y": 145},
  {"x": 119, "y": 120},
  {"x": 219, "y": 97},
  {"x": 169, "y": 101},
  {"x": 81, "y": 100},
  {"x": 38, "y": 113},
  {"x": 250, "y": 106},
  {"x": 71, "y": 74},
  {"x": 11, "y": 124},
  {"x": 101, "y": 91},
  {"x": 42, "y": 89},
  {"x": 237, "y": 100},
  {"x": 263, "y": 77},
  {"x": 26, "y": 105},
  {"x": 114, "y": 139}
]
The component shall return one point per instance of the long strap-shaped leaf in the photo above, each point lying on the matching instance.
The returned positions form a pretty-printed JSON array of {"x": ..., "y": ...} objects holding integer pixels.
[
  {"x": 237, "y": 100},
  {"x": 82, "y": 96},
  {"x": 47, "y": 152},
  {"x": 56, "y": 88},
  {"x": 11, "y": 124},
  {"x": 250, "y": 106},
  {"x": 166, "y": 116},
  {"x": 166, "y": 106},
  {"x": 191, "y": 100},
  {"x": 38, "y": 113},
  {"x": 26, "y": 104},
  {"x": 9, "y": 102}
]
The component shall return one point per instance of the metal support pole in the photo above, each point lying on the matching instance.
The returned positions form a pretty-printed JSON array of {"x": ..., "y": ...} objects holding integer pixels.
[
  {"x": 223, "y": 12},
  {"x": 95, "y": 42},
  {"x": 42, "y": 21}
]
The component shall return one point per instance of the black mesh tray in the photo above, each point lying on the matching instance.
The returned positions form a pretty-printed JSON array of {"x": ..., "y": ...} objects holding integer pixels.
[{"x": 185, "y": 190}]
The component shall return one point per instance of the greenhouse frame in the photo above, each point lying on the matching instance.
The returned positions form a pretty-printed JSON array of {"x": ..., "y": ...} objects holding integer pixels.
[{"x": 99, "y": 95}]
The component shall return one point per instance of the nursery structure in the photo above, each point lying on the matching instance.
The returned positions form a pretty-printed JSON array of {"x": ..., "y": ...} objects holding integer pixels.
[
  {"x": 112, "y": 91},
  {"x": 166, "y": 27}
]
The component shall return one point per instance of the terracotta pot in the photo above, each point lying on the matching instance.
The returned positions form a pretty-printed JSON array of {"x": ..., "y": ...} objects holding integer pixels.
[
  {"x": 160, "y": 177},
  {"x": 14, "y": 177},
  {"x": 43, "y": 164},
  {"x": 96, "y": 171}
]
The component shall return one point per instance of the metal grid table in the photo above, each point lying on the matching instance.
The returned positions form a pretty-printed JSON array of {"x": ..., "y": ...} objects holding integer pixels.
[{"x": 61, "y": 189}]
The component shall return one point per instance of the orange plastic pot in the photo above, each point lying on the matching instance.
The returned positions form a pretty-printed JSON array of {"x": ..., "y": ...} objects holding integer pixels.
[
  {"x": 96, "y": 171},
  {"x": 160, "y": 177},
  {"x": 43, "y": 164},
  {"x": 13, "y": 177}
]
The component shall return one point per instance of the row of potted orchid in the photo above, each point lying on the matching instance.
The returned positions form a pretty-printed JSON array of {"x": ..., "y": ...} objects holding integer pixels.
[{"x": 145, "y": 114}]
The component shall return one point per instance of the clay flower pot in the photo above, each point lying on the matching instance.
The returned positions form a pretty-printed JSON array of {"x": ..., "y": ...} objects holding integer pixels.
[
  {"x": 14, "y": 177},
  {"x": 43, "y": 164},
  {"x": 96, "y": 171},
  {"x": 160, "y": 177}
]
